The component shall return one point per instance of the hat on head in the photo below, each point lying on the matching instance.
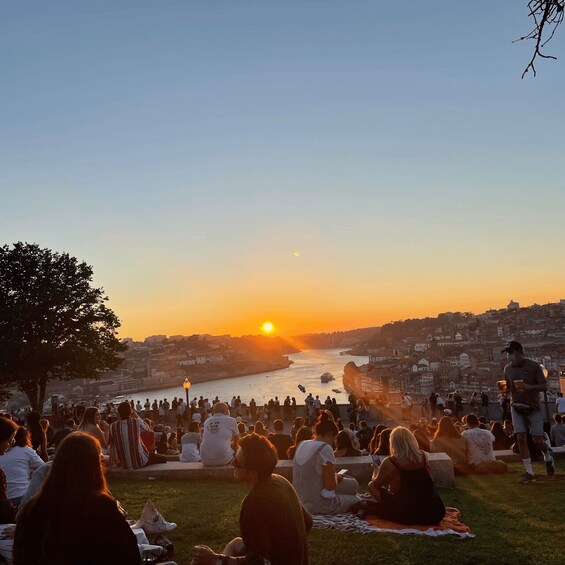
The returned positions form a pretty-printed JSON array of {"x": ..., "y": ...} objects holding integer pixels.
[{"x": 512, "y": 346}]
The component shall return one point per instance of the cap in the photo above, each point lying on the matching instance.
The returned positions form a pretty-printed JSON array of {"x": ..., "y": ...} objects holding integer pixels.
[{"x": 512, "y": 346}]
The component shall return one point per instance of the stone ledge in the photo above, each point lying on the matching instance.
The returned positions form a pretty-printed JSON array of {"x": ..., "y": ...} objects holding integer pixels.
[
  {"x": 359, "y": 467},
  {"x": 509, "y": 455}
]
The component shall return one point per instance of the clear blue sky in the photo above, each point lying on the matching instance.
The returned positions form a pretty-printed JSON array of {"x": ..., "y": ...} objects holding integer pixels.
[{"x": 187, "y": 149}]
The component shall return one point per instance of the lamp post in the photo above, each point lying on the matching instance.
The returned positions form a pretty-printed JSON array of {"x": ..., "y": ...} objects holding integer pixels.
[
  {"x": 545, "y": 374},
  {"x": 186, "y": 386}
]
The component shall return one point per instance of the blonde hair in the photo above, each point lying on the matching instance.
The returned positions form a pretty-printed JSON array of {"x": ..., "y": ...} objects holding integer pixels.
[{"x": 404, "y": 446}]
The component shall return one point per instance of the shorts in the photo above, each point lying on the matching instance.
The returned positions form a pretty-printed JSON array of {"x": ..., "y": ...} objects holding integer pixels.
[{"x": 533, "y": 422}]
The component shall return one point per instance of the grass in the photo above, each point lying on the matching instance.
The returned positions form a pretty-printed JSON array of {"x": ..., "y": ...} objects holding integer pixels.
[{"x": 514, "y": 524}]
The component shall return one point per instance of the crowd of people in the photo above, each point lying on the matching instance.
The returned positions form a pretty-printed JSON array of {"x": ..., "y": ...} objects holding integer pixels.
[{"x": 52, "y": 477}]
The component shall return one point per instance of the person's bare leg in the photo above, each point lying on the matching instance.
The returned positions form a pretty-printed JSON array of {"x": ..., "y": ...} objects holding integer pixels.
[{"x": 234, "y": 547}]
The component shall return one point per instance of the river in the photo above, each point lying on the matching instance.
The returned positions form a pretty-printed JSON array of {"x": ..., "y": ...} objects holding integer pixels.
[{"x": 306, "y": 370}]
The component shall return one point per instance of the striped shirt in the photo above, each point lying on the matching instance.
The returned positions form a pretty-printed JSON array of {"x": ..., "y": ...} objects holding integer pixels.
[{"x": 125, "y": 437}]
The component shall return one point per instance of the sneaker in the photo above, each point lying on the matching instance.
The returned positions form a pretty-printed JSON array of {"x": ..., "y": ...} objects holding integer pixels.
[
  {"x": 549, "y": 468},
  {"x": 527, "y": 478},
  {"x": 158, "y": 525}
]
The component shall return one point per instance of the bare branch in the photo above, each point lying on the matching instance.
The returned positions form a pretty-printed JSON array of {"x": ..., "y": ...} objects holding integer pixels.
[{"x": 547, "y": 14}]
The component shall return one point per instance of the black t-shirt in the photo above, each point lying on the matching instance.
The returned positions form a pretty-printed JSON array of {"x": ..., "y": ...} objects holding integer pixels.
[
  {"x": 274, "y": 524},
  {"x": 281, "y": 442}
]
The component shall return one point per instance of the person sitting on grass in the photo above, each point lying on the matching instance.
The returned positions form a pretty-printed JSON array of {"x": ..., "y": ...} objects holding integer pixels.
[
  {"x": 403, "y": 488},
  {"x": 480, "y": 453},
  {"x": 314, "y": 476},
  {"x": 74, "y": 518},
  {"x": 273, "y": 523},
  {"x": 18, "y": 463}
]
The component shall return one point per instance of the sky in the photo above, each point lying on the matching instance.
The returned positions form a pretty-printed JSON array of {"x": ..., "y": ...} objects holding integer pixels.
[{"x": 324, "y": 165}]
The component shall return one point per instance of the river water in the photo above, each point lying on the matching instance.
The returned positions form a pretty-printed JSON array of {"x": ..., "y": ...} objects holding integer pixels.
[{"x": 306, "y": 370}]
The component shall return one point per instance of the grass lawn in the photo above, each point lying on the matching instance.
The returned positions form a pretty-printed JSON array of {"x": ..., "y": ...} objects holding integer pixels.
[{"x": 514, "y": 524}]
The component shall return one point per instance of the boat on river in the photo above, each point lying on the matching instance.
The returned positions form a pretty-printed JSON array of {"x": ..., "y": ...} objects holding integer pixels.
[{"x": 327, "y": 377}]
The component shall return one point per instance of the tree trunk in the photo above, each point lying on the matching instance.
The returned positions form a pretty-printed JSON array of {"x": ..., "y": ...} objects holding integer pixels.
[
  {"x": 31, "y": 390},
  {"x": 41, "y": 399}
]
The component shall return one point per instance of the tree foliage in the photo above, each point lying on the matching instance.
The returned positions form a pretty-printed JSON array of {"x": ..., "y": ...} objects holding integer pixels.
[
  {"x": 53, "y": 323},
  {"x": 547, "y": 16}
]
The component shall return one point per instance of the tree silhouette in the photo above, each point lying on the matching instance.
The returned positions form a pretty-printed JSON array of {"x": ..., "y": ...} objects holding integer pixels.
[
  {"x": 547, "y": 16},
  {"x": 53, "y": 323}
]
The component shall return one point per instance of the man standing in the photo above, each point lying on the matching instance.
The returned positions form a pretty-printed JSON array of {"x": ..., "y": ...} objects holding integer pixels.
[
  {"x": 272, "y": 521},
  {"x": 125, "y": 440},
  {"x": 524, "y": 381},
  {"x": 220, "y": 430}
]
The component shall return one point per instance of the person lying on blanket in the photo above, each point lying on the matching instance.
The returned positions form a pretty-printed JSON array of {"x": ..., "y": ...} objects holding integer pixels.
[{"x": 403, "y": 487}]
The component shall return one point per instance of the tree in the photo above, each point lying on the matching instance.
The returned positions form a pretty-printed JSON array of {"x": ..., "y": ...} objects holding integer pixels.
[
  {"x": 547, "y": 16},
  {"x": 53, "y": 323}
]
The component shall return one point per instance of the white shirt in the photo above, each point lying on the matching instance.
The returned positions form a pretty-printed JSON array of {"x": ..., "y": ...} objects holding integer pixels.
[
  {"x": 18, "y": 463},
  {"x": 479, "y": 445},
  {"x": 560, "y": 405},
  {"x": 219, "y": 430}
]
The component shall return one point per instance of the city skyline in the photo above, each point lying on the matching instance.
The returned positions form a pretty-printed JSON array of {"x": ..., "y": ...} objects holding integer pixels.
[{"x": 321, "y": 166}]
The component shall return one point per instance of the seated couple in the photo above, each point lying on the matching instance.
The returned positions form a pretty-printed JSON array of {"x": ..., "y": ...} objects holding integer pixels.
[{"x": 471, "y": 451}]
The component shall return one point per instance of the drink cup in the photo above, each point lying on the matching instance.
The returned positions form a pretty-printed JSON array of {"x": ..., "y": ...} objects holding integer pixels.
[
  {"x": 519, "y": 385},
  {"x": 501, "y": 386}
]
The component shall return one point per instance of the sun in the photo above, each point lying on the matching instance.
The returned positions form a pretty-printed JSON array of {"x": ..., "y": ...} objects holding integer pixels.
[{"x": 268, "y": 327}]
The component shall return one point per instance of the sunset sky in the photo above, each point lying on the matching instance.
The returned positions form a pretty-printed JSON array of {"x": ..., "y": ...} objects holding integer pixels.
[{"x": 323, "y": 165}]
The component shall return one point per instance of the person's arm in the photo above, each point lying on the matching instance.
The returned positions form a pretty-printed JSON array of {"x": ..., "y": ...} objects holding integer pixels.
[
  {"x": 329, "y": 478},
  {"x": 43, "y": 448},
  {"x": 386, "y": 472},
  {"x": 34, "y": 461}
]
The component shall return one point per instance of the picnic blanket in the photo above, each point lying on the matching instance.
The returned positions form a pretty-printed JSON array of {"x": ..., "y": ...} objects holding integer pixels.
[{"x": 450, "y": 525}]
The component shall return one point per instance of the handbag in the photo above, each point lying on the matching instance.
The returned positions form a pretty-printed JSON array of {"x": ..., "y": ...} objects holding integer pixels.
[{"x": 522, "y": 408}]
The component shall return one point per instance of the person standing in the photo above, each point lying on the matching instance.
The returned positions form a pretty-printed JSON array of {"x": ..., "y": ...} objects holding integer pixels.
[
  {"x": 484, "y": 404},
  {"x": 524, "y": 381}
]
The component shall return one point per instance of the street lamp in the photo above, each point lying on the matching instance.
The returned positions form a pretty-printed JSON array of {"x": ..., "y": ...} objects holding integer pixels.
[
  {"x": 186, "y": 386},
  {"x": 545, "y": 374}
]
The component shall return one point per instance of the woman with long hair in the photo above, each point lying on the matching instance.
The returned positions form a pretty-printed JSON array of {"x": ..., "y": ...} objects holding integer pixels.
[
  {"x": 314, "y": 476},
  {"x": 422, "y": 439},
  {"x": 18, "y": 464},
  {"x": 37, "y": 434},
  {"x": 448, "y": 440},
  {"x": 383, "y": 445},
  {"x": 8, "y": 430},
  {"x": 303, "y": 434},
  {"x": 73, "y": 518},
  {"x": 374, "y": 443},
  {"x": 404, "y": 488},
  {"x": 260, "y": 428},
  {"x": 344, "y": 447},
  {"x": 296, "y": 425},
  {"x": 92, "y": 425},
  {"x": 501, "y": 440}
]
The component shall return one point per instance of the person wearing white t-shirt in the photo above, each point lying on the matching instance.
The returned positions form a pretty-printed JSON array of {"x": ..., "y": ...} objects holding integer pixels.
[
  {"x": 18, "y": 464},
  {"x": 314, "y": 478},
  {"x": 220, "y": 430},
  {"x": 560, "y": 404},
  {"x": 480, "y": 448}
]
